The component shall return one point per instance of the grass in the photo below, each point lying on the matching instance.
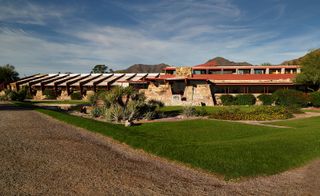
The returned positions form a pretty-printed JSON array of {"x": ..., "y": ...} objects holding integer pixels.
[
  {"x": 230, "y": 149},
  {"x": 60, "y": 102}
]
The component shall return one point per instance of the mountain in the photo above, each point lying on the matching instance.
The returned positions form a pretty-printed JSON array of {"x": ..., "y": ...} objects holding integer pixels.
[
  {"x": 143, "y": 68},
  {"x": 224, "y": 62},
  {"x": 298, "y": 60}
]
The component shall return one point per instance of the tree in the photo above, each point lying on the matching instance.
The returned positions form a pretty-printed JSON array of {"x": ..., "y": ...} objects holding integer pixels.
[
  {"x": 266, "y": 64},
  {"x": 310, "y": 70},
  {"x": 100, "y": 69},
  {"x": 8, "y": 74}
]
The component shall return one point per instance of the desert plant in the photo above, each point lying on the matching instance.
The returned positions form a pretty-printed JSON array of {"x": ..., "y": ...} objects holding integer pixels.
[
  {"x": 266, "y": 99},
  {"x": 227, "y": 99},
  {"x": 245, "y": 99},
  {"x": 315, "y": 98},
  {"x": 97, "y": 112},
  {"x": 290, "y": 97}
]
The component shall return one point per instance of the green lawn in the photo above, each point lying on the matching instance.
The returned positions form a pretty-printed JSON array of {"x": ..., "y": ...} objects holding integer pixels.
[
  {"x": 226, "y": 148},
  {"x": 60, "y": 102}
]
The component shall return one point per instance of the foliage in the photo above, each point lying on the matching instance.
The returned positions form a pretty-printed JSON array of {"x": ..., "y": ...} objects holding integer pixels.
[
  {"x": 97, "y": 112},
  {"x": 189, "y": 111},
  {"x": 101, "y": 69},
  {"x": 259, "y": 113},
  {"x": 266, "y": 64},
  {"x": 76, "y": 96},
  {"x": 310, "y": 66},
  {"x": 50, "y": 94},
  {"x": 290, "y": 97},
  {"x": 245, "y": 99},
  {"x": 266, "y": 99},
  {"x": 126, "y": 104},
  {"x": 230, "y": 149},
  {"x": 8, "y": 74},
  {"x": 227, "y": 99},
  {"x": 315, "y": 99},
  {"x": 17, "y": 96},
  {"x": 202, "y": 111}
]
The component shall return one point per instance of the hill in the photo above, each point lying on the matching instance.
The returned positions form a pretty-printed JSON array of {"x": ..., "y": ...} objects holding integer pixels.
[
  {"x": 225, "y": 62},
  {"x": 298, "y": 60},
  {"x": 143, "y": 68}
]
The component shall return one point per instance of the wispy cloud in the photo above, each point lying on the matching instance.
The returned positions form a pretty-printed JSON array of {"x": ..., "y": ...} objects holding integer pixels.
[{"x": 175, "y": 32}]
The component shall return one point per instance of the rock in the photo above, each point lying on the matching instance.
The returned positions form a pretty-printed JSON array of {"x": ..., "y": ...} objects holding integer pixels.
[{"x": 128, "y": 123}]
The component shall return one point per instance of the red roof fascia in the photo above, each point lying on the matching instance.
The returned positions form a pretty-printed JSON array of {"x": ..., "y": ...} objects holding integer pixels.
[
  {"x": 241, "y": 76},
  {"x": 169, "y": 68},
  {"x": 197, "y": 67}
]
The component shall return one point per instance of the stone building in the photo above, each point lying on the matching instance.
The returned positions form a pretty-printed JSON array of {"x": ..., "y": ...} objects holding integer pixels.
[{"x": 198, "y": 85}]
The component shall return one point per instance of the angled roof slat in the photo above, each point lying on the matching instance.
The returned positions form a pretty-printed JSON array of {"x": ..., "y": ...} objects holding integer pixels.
[
  {"x": 99, "y": 79},
  {"x": 110, "y": 80}
]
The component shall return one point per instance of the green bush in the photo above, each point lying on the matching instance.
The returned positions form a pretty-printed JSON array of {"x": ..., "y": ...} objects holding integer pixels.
[
  {"x": 245, "y": 99},
  {"x": 259, "y": 113},
  {"x": 290, "y": 97},
  {"x": 315, "y": 99},
  {"x": 266, "y": 99},
  {"x": 202, "y": 112},
  {"x": 76, "y": 96},
  {"x": 189, "y": 111},
  {"x": 227, "y": 99},
  {"x": 50, "y": 94},
  {"x": 17, "y": 96}
]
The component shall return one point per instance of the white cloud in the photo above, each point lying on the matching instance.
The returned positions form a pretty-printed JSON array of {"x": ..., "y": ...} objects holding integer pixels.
[{"x": 25, "y": 12}]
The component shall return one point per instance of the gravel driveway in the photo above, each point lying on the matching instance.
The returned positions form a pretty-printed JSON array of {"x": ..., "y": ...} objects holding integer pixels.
[{"x": 40, "y": 155}]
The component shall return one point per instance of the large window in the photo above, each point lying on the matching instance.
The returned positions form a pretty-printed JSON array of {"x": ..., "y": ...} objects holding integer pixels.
[
  {"x": 259, "y": 71},
  {"x": 215, "y": 72},
  {"x": 290, "y": 71},
  {"x": 244, "y": 71},
  {"x": 229, "y": 71},
  {"x": 199, "y": 71},
  {"x": 275, "y": 71}
]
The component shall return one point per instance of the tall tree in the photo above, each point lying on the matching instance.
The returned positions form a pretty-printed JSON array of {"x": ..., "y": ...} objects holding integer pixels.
[
  {"x": 310, "y": 70},
  {"x": 8, "y": 74},
  {"x": 100, "y": 69}
]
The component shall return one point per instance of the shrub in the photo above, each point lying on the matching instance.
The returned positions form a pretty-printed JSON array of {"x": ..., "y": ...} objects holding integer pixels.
[
  {"x": 17, "y": 96},
  {"x": 50, "y": 94},
  {"x": 114, "y": 113},
  {"x": 76, "y": 96},
  {"x": 245, "y": 99},
  {"x": 266, "y": 99},
  {"x": 315, "y": 99},
  {"x": 256, "y": 113},
  {"x": 189, "y": 111},
  {"x": 290, "y": 97},
  {"x": 202, "y": 112},
  {"x": 97, "y": 112},
  {"x": 227, "y": 100}
]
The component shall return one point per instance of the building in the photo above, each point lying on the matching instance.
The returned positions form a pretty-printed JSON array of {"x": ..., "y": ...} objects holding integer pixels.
[{"x": 198, "y": 85}]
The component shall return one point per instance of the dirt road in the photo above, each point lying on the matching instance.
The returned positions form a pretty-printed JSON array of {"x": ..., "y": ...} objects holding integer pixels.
[{"x": 40, "y": 155}]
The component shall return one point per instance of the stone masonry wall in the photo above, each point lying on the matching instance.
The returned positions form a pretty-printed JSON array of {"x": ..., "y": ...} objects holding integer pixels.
[{"x": 193, "y": 95}]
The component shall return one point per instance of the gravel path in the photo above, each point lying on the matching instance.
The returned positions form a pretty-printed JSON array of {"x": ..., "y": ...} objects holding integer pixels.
[{"x": 42, "y": 156}]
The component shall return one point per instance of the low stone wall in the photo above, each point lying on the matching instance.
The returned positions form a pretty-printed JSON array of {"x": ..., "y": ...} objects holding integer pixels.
[{"x": 39, "y": 95}]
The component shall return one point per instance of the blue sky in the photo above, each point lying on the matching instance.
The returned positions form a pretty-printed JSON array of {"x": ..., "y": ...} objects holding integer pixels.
[{"x": 74, "y": 35}]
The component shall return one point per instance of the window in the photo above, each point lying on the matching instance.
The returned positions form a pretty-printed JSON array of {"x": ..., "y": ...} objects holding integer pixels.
[
  {"x": 275, "y": 71},
  {"x": 259, "y": 71},
  {"x": 199, "y": 71},
  {"x": 244, "y": 71},
  {"x": 215, "y": 71}
]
